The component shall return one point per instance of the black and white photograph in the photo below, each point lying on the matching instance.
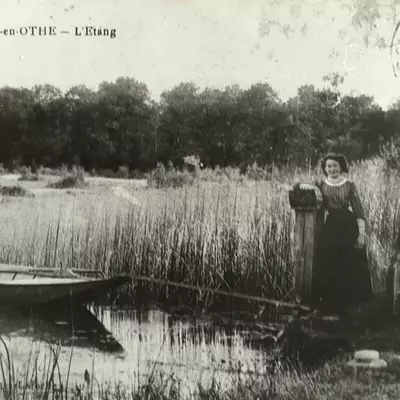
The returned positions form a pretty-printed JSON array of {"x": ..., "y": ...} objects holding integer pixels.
[{"x": 200, "y": 199}]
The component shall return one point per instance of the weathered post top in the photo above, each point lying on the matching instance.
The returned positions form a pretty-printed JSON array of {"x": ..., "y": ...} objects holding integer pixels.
[
  {"x": 309, "y": 219},
  {"x": 304, "y": 199}
]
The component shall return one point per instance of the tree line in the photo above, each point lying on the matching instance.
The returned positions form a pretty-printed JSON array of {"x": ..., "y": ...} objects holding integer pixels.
[{"x": 119, "y": 124}]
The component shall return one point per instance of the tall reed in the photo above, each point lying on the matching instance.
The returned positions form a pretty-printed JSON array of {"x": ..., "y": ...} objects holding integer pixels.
[{"x": 228, "y": 235}]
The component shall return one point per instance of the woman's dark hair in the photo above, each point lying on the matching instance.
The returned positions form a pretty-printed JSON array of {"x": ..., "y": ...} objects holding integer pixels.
[{"x": 340, "y": 158}]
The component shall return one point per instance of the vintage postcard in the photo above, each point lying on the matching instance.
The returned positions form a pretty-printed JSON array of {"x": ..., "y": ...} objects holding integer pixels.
[{"x": 199, "y": 199}]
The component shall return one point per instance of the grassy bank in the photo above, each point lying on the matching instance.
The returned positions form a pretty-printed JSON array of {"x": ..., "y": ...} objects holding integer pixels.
[
  {"x": 224, "y": 230},
  {"x": 331, "y": 381}
]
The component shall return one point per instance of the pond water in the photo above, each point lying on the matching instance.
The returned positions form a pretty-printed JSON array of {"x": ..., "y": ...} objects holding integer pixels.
[{"x": 129, "y": 346}]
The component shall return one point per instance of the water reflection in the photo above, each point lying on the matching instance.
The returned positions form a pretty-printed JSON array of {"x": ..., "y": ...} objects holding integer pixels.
[
  {"x": 77, "y": 327},
  {"x": 153, "y": 336},
  {"x": 130, "y": 344}
]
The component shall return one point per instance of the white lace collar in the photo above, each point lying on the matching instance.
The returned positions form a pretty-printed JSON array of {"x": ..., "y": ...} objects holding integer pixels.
[{"x": 336, "y": 184}]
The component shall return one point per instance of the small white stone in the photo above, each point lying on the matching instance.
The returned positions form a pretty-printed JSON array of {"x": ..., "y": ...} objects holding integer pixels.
[
  {"x": 366, "y": 356},
  {"x": 367, "y": 359},
  {"x": 376, "y": 364}
]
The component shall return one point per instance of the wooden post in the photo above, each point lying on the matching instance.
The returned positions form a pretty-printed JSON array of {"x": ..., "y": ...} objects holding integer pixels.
[
  {"x": 393, "y": 286},
  {"x": 309, "y": 220}
]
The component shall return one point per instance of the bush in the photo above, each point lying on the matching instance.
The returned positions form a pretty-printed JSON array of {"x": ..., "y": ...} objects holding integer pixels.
[
  {"x": 123, "y": 172},
  {"x": 256, "y": 173},
  {"x": 233, "y": 174},
  {"x": 15, "y": 191},
  {"x": 67, "y": 183},
  {"x": 27, "y": 175},
  {"x": 219, "y": 174},
  {"x": 391, "y": 154},
  {"x": 2, "y": 169},
  {"x": 192, "y": 164},
  {"x": 162, "y": 178},
  {"x": 75, "y": 179},
  {"x": 60, "y": 171},
  {"x": 13, "y": 164}
]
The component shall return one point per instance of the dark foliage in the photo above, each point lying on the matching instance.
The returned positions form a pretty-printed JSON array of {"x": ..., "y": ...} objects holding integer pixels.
[{"x": 120, "y": 125}]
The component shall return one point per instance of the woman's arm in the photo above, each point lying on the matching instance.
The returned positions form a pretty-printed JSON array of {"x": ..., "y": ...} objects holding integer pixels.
[
  {"x": 311, "y": 186},
  {"x": 355, "y": 203},
  {"x": 358, "y": 209},
  {"x": 307, "y": 186}
]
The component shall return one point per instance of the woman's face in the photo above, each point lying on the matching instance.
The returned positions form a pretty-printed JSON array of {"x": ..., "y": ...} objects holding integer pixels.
[{"x": 332, "y": 168}]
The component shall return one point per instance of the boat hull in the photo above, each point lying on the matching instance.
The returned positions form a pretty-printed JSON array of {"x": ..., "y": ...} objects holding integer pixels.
[{"x": 33, "y": 292}]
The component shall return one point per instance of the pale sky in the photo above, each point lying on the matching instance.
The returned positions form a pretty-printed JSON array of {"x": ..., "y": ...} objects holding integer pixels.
[{"x": 211, "y": 43}]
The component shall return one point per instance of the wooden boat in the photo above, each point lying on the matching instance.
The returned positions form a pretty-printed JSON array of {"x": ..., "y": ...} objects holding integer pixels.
[{"x": 30, "y": 286}]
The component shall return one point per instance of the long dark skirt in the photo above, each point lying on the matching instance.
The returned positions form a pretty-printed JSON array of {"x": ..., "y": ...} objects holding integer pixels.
[{"x": 341, "y": 276}]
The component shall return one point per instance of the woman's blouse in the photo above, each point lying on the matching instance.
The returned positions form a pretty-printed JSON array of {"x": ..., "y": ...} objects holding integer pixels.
[{"x": 341, "y": 196}]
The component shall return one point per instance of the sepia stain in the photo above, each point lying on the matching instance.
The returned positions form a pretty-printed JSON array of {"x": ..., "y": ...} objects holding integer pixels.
[
  {"x": 334, "y": 54},
  {"x": 352, "y": 56},
  {"x": 70, "y": 8},
  {"x": 255, "y": 48},
  {"x": 295, "y": 10},
  {"x": 304, "y": 29}
]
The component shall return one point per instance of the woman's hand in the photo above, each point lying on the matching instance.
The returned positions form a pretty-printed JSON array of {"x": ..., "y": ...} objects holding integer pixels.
[
  {"x": 360, "y": 243},
  {"x": 308, "y": 186}
]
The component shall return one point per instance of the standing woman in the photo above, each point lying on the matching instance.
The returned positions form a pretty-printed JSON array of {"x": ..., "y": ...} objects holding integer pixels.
[{"x": 341, "y": 276}]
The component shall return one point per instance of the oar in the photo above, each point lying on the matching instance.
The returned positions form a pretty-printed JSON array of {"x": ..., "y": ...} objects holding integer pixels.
[
  {"x": 223, "y": 293},
  {"x": 27, "y": 269}
]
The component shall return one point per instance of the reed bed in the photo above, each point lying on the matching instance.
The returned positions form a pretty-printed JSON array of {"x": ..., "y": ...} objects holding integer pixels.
[
  {"x": 230, "y": 234},
  {"x": 44, "y": 377}
]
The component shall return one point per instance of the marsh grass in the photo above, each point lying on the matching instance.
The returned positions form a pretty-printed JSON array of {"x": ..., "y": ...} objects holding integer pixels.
[
  {"x": 44, "y": 377},
  {"x": 224, "y": 233},
  {"x": 40, "y": 377}
]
